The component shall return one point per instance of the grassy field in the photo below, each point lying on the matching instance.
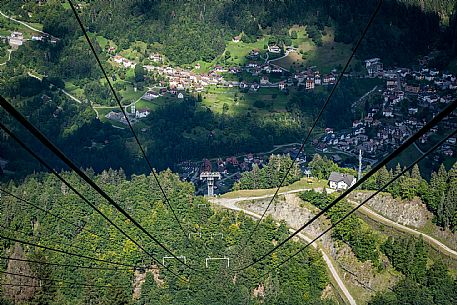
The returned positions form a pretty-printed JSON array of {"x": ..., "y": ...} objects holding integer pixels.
[
  {"x": 272, "y": 100},
  {"x": 11, "y": 26},
  {"x": 102, "y": 41},
  {"x": 129, "y": 95},
  {"x": 205, "y": 67},
  {"x": 239, "y": 50},
  {"x": 303, "y": 42},
  {"x": 303, "y": 183},
  {"x": 74, "y": 90},
  {"x": 135, "y": 52},
  {"x": 326, "y": 57}
]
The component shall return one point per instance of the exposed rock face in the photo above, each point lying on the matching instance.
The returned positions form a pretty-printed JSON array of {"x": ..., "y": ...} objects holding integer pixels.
[
  {"x": 140, "y": 278},
  {"x": 290, "y": 209},
  {"x": 19, "y": 289},
  {"x": 364, "y": 274},
  {"x": 259, "y": 291},
  {"x": 409, "y": 213}
]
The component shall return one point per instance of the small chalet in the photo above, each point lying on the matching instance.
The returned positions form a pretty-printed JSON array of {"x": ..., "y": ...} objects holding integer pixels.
[
  {"x": 274, "y": 49},
  {"x": 310, "y": 84},
  {"x": 150, "y": 95},
  {"x": 142, "y": 113},
  {"x": 338, "y": 181},
  {"x": 374, "y": 66},
  {"x": 16, "y": 40},
  {"x": 236, "y": 39},
  {"x": 264, "y": 80}
]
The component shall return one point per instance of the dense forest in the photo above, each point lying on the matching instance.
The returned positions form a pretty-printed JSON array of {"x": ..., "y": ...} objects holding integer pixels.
[
  {"x": 187, "y": 31},
  {"x": 222, "y": 233},
  {"x": 423, "y": 283},
  {"x": 440, "y": 194},
  {"x": 365, "y": 243},
  {"x": 270, "y": 175}
]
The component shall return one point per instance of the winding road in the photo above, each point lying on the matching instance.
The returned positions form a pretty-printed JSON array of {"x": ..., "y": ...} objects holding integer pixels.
[
  {"x": 23, "y": 23},
  {"x": 231, "y": 204},
  {"x": 427, "y": 238},
  {"x": 60, "y": 89},
  {"x": 364, "y": 210}
]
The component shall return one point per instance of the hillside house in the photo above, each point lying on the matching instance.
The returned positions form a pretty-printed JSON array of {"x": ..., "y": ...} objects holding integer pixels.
[
  {"x": 255, "y": 87},
  {"x": 150, "y": 95},
  {"x": 264, "y": 80},
  {"x": 16, "y": 40},
  {"x": 338, "y": 181},
  {"x": 310, "y": 84},
  {"x": 142, "y": 113},
  {"x": 374, "y": 66},
  {"x": 156, "y": 57},
  {"x": 274, "y": 49}
]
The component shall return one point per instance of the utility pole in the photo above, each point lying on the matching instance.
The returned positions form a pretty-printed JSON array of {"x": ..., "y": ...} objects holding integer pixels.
[
  {"x": 360, "y": 165},
  {"x": 210, "y": 176}
]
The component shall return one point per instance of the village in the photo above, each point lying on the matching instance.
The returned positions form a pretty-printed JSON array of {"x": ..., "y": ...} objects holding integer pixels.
[
  {"x": 395, "y": 110},
  {"x": 408, "y": 99}
]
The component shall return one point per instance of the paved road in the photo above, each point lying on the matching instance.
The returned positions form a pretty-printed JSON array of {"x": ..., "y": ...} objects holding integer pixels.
[
  {"x": 23, "y": 23},
  {"x": 62, "y": 90},
  {"x": 418, "y": 148},
  {"x": 230, "y": 204},
  {"x": 366, "y": 211},
  {"x": 432, "y": 241},
  {"x": 363, "y": 97}
]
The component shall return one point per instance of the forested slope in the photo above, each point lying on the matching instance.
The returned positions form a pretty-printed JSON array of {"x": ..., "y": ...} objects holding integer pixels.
[
  {"x": 187, "y": 31},
  {"x": 222, "y": 233}
]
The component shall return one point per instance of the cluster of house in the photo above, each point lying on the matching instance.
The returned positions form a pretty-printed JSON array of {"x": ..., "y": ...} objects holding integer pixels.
[
  {"x": 230, "y": 165},
  {"x": 309, "y": 79},
  {"x": 153, "y": 94},
  {"x": 126, "y": 63},
  {"x": 425, "y": 91},
  {"x": 183, "y": 79},
  {"x": 243, "y": 165},
  {"x": 17, "y": 39},
  {"x": 133, "y": 116}
]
